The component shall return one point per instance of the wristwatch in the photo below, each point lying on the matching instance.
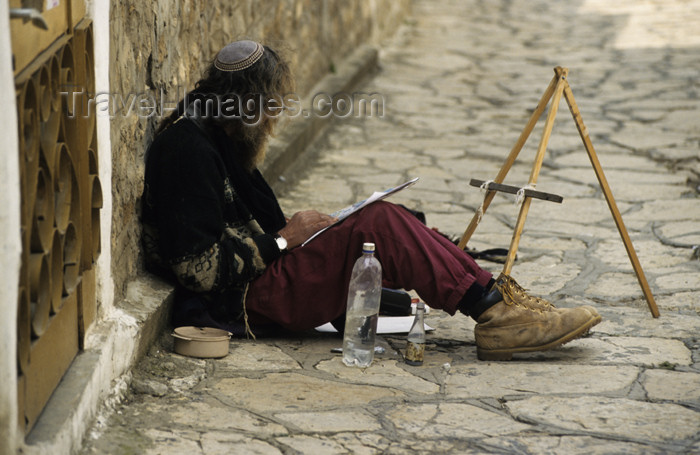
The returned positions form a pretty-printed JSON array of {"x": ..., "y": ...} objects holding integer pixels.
[{"x": 281, "y": 243}]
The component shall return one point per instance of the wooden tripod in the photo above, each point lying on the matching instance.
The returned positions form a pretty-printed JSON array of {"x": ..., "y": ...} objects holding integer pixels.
[{"x": 558, "y": 86}]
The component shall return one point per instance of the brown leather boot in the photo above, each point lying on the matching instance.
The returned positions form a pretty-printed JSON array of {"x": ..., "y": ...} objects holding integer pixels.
[{"x": 523, "y": 323}]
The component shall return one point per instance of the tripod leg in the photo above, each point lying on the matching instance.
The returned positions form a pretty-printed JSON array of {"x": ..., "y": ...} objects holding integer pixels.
[
  {"x": 583, "y": 132},
  {"x": 537, "y": 165},
  {"x": 541, "y": 106}
]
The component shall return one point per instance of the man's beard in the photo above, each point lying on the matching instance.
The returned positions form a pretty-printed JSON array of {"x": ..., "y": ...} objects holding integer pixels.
[{"x": 254, "y": 139}]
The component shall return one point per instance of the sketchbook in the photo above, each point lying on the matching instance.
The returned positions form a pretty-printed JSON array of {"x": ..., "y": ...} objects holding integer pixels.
[{"x": 349, "y": 210}]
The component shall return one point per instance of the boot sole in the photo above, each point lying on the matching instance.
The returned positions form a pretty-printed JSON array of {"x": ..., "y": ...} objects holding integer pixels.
[{"x": 507, "y": 354}]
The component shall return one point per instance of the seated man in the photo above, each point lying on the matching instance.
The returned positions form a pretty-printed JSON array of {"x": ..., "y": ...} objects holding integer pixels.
[{"x": 211, "y": 222}]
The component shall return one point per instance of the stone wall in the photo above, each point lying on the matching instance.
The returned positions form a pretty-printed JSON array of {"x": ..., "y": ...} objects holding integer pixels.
[{"x": 163, "y": 46}]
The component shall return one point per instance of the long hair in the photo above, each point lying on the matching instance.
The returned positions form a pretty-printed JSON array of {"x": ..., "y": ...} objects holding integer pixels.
[{"x": 241, "y": 102}]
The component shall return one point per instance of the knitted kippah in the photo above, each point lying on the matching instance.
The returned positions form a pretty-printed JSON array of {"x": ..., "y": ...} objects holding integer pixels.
[{"x": 238, "y": 55}]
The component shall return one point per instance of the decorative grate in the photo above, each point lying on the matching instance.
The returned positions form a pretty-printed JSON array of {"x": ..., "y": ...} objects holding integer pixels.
[{"x": 61, "y": 201}]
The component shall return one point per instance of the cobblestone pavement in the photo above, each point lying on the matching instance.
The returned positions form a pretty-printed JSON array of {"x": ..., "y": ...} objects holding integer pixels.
[{"x": 460, "y": 81}]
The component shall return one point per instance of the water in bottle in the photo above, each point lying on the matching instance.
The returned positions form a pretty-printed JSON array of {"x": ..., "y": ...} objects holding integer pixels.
[{"x": 362, "y": 309}]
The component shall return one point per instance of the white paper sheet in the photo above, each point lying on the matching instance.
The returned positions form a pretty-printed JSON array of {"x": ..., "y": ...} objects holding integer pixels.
[
  {"x": 347, "y": 211},
  {"x": 385, "y": 325}
]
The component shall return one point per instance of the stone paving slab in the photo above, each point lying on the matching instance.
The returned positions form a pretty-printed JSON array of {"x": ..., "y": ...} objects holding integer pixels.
[
  {"x": 633, "y": 419},
  {"x": 459, "y": 82},
  {"x": 465, "y": 381}
]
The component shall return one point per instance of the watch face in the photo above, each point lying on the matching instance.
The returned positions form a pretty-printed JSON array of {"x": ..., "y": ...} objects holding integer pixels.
[{"x": 281, "y": 243}]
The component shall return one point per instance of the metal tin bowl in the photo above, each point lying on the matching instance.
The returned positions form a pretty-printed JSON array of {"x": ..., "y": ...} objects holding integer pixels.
[{"x": 202, "y": 342}]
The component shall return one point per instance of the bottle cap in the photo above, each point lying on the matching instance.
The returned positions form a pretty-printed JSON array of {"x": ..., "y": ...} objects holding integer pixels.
[{"x": 368, "y": 247}]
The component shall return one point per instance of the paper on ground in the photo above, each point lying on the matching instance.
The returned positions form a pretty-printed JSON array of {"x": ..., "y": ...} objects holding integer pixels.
[{"x": 385, "y": 325}]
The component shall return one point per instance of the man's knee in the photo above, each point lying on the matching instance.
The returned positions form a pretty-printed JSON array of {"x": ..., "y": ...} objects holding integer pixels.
[{"x": 381, "y": 208}]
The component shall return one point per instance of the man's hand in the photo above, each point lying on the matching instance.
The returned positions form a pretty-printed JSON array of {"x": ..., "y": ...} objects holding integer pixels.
[{"x": 303, "y": 225}]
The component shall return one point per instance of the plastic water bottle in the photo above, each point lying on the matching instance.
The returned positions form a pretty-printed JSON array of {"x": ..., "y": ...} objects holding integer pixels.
[
  {"x": 363, "y": 309},
  {"x": 415, "y": 341}
]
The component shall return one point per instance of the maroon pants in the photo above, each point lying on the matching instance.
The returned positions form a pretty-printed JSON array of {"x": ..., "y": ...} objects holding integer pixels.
[{"x": 308, "y": 286}]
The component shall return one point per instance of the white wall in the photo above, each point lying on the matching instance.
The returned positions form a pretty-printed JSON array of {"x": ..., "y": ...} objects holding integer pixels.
[
  {"x": 10, "y": 241},
  {"x": 99, "y": 11}
]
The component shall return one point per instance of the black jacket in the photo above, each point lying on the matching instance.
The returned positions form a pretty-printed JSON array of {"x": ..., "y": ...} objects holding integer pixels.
[{"x": 207, "y": 222}]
